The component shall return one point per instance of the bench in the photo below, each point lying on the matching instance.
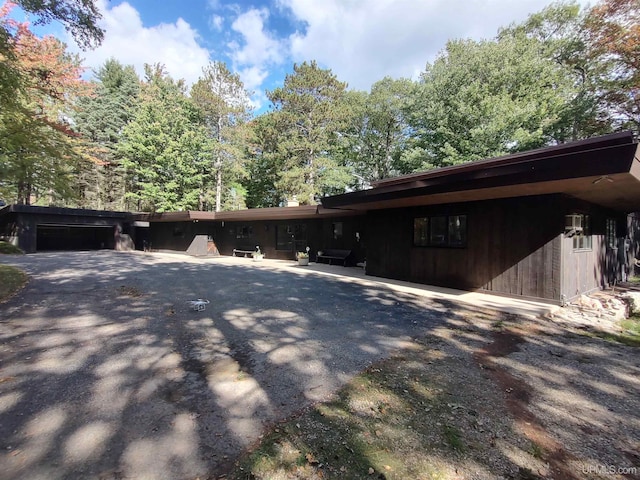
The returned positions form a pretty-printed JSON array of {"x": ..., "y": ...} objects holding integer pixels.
[
  {"x": 246, "y": 253},
  {"x": 332, "y": 254}
]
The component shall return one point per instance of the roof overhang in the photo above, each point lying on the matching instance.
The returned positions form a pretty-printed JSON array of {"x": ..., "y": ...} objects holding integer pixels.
[
  {"x": 247, "y": 215},
  {"x": 77, "y": 212},
  {"x": 603, "y": 170}
]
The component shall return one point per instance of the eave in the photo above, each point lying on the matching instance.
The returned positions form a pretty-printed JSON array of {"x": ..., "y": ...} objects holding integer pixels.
[
  {"x": 604, "y": 170},
  {"x": 248, "y": 215}
]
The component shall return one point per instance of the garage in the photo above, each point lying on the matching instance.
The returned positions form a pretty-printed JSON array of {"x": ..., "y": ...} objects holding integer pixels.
[
  {"x": 74, "y": 237},
  {"x": 35, "y": 228}
]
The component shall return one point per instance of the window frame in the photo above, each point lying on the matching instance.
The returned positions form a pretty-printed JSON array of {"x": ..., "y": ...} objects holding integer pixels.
[
  {"x": 583, "y": 241},
  {"x": 425, "y": 234},
  {"x": 611, "y": 233},
  {"x": 244, "y": 232}
]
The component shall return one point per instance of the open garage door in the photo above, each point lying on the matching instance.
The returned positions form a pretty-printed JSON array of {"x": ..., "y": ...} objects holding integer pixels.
[{"x": 74, "y": 237}]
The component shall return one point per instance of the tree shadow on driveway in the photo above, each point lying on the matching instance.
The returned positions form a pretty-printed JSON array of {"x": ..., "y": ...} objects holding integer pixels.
[{"x": 107, "y": 373}]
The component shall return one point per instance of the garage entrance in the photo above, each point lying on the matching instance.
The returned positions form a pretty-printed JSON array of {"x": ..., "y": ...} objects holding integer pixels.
[{"x": 74, "y": 237}]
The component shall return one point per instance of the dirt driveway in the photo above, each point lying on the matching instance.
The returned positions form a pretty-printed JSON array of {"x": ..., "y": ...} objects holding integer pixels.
[{"x": 106, "y": 373}]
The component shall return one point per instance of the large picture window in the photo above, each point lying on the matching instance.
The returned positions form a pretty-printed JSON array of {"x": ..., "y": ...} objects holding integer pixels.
[{"x": 440, "y": 231}]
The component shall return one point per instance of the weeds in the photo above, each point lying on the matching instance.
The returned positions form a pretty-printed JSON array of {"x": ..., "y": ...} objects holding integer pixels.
[{"x": 11, "y": 281}]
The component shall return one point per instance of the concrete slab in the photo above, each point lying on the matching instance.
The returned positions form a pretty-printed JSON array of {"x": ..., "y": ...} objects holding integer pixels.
[{"x": 516, "y": 306}]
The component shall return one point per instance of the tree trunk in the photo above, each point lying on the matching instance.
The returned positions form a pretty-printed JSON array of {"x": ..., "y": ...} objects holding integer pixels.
[
  {"x": 218, "y": 188},
  {"x": 219, "y": 167}
]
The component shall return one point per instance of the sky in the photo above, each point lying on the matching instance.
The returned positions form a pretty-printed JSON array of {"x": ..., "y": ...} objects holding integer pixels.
[{"x": 361, "y": 41}]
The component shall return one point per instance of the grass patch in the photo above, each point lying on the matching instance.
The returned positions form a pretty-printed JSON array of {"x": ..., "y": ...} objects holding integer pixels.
[
  {"x": 536, "y": 450},
  {"x": 632, "y": 325},
  {"x": 11, "y": 281},
  {"x": 453, "y": 438},
  {"x": 9, "y": 249},
  {"x": 630, "y": 335},
  {"x": 405, "y": 417}
]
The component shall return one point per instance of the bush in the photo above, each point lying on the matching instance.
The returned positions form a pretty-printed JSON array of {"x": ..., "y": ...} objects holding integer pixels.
[{"x": 9, "y": 249}]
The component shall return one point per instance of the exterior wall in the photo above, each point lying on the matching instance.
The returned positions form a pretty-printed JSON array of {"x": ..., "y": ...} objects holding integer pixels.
[
  {"x": 513, "y": 247},
  {"x": 600, "y": 266},
  {"x": 320, "y": 234},
  {"x": 633, "y": 228},
  {"x": 21, "y": 229},
  {"x": 175, "y": 236}
]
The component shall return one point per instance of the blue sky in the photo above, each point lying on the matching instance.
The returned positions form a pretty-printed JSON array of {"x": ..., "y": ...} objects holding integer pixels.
[{"x": 360, "y": 40}]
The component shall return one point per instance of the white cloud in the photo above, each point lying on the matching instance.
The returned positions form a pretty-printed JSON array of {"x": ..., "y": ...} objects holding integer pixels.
[
  {"x": 364, "y": 41},
  {"x": 257, "y": 51},
  {"x": 252, "y": 77},
  {"x": 216, "y": 22},
  {"x": 260, "y": 47},
  {"x": 173, "y": 44}
]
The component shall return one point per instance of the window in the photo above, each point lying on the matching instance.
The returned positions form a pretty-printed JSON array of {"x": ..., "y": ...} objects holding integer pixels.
[
  {"x": 291, "y": 237},
  {"x": 582, "y": 237},
  {"x": 420, "y": 231},
  {"x": 611, "y": 229},
  {"x": 244, "y": 231},
  {"x": 337, "y": 230},
  {"x": 457, "y": 230},
  {"x": 440, "y": 231}
]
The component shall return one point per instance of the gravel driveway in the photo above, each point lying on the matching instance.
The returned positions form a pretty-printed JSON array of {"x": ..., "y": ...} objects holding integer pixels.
[{"x": 106, "y": 373}]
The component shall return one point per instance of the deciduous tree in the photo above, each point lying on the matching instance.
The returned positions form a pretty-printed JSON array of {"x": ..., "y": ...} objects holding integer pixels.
[
  {"x": 613, "y": 29},
  {"x": 379, "y": 130},
  {"x": 38, "y": 149},
  {"x": 487, "y": 98}
]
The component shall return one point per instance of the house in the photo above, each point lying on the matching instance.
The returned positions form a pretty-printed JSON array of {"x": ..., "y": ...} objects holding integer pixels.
[
  {"x": 548, "y": 224},
  {"x": 551, "y": 223},
  {"x": 279, "y": 231}
]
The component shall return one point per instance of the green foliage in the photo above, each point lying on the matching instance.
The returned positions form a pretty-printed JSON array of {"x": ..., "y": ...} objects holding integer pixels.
[
  {"x": 11, "y": 281},
  {"x": 7, "y": 248},
  {"x": 80, "y": 17},
  {"x": 484, "y": 99},
  {"x": 234, "y": 196},
  {"x": 379, "y": 132},
  {"x": 265, "y": 164},
  {"x": 165, "y": 149},
  {"x": 224, "y": 103},
  {"x": 559, "y": 32},
  {"x": 100, "y": 118},
  {"x": 39, "y": 82},
  {"x": 309, "y": 115},
  {"x": 612, "y": 30}
]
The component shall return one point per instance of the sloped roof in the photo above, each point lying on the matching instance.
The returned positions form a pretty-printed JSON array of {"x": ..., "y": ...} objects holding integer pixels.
[{"x": 603, "y": 170}]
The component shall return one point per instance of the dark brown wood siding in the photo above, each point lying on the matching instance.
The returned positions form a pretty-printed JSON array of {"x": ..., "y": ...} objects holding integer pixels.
[
  {"x": 600, "y": 266},
  {"x": 513, "y": 247},
  {"x": 319, "y": 235}
]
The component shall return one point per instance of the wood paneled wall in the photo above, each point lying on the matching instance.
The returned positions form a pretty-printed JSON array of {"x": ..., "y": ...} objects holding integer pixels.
[{"x": 513, "y": 247}]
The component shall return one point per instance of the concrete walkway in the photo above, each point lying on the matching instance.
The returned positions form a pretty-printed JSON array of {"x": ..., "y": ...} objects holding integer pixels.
[{"x": 517, "y": 306}]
